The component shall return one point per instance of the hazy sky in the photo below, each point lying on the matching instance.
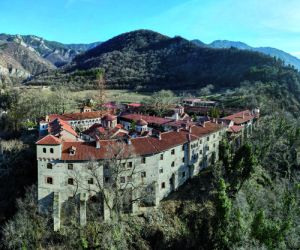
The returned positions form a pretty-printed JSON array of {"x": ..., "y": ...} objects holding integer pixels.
[{"x": 273, "y": 23}]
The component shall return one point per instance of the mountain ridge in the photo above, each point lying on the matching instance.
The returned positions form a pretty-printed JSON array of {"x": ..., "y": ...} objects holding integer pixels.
[
  {"x": 57, "y": 53},
  {"x": 274, "y": 52},
  {"x": 144, "y": 59}
]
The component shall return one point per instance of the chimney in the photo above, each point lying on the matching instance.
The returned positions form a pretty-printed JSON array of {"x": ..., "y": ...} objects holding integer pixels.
[
  {"x": 98, "y": 144},
  {"x": 159, "y": 136},
  {"x": 243, "y": 115},
  {"x": 203, "y": 124},
  {"x": 190, "y": 129},
  {"x": 129, "y": 141},
  {"x": 177, "y": 129},
  {"x": 176, "y": 116}
]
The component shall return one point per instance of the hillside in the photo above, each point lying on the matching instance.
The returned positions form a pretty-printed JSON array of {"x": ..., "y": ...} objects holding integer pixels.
[
  {"x": 18, "y": 62},
  {"x": 147, "y": 60},
  {"x": 286, "y": 57},
  {"x": 56, "y": 53}
]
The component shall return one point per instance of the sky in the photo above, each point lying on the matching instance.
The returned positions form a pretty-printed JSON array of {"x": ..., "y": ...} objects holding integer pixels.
[{"x": 274, "y": 23}]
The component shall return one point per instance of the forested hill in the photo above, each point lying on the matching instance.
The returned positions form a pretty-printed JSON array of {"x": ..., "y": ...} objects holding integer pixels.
[
  {"x": 286, "y": 57},
  {"x": 145, "y": 59}
]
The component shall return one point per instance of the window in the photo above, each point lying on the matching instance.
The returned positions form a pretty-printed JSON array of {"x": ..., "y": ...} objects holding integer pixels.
[
  {"x": 44, "y": 150},
  {"x": 214, "y": 145},
  {"x": 49, "y": 165},
  {"x": 107, "y": 179},
  {"x": 173, "y": 152},
  {"x": 71, "y": 181},
  {"x": 163, "y": 185},
  {"x": 122, "y": 179},
  {"x": 161, "y": 157},
  {"x": 207, "y": 138},
  {"x": 173, "y": 164},
  {"x": 200, "y": 141},
  {"x": 49, "y": 180},
  {"x": 200, "y": 152},
  {"x": 91, "y": 181},
  {"x": 143, "y": 174},
  {"x": 183, "y": 174},
  {"x": 129, "y": 178},
  {"x": 214, "y": 136},
  {"x": 70, "y": 166},
  {"x": 183, "y": 147},
  {"x": 143, "y": 160},
  {"x": 129, "y": 164},
  {"x": 161, "y": 170},
  {"x": 123, "y": 165},
  {"x": 183, "y": 159},
  {"x": 51, "y": 150}
]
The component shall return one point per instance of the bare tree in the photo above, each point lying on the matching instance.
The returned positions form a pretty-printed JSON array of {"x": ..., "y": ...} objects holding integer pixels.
[
  {"x": 101, "y": 88},
  {"x": 116, "y": 179}
]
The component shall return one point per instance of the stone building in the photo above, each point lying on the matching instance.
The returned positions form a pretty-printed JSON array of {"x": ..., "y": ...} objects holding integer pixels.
[{"x": 162, "y": 161}]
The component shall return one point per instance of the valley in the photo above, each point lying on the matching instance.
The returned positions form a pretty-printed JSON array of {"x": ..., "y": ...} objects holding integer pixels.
[{"x": 207, "y": 135}]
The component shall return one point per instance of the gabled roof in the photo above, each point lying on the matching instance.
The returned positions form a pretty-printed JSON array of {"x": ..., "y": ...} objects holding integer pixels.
[
  {"x": 240, "y": 117},
  {"x": 109, "y": 117},
  {"x": 235, "y": 128},
  {"x": 149, "y": 119},
  {"x": 58, "y": 125},
  {"x": 141, "y": 145},
  {"x": 78, "y": 116},
  {"x": 142, "y": 122},
  {"x": 49, "y": 140}
]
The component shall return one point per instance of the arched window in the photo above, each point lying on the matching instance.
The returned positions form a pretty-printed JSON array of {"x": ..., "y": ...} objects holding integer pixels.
[
  {"x": 51, "y": 150},
  {"x": 44, "y": 150},
  {"x": 49, "y": 165}
]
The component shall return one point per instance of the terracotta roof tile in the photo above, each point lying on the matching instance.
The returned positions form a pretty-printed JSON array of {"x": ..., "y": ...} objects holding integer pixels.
[
  {"x": 78, "y": 116},
  {"x": 141, "y": 145},
  {"x": 240, "y": 117},
  {"x": 149, "y": 119},
  {"x": 57, "y": 125},
  {"x": 49, "y": 140},
  {"x": 235, "y": 128}
]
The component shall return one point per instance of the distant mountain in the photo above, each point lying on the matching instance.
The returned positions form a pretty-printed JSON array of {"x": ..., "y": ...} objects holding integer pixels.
[
  {"x": 82, "y": 46},
  {"x": 18, "y": 62},
  {"x": 57, "y": 53},
  {"x": 199, "y": 43},
  {"x": 224, "y": 44},
  {"x": 286, "y": 57},
  {"x": 145, "y": 59}
]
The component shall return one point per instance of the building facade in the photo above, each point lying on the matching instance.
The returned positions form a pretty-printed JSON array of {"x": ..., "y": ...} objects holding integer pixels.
[
  {"x": 158, "y": 164},
  {"x": 155, "y": 156}
]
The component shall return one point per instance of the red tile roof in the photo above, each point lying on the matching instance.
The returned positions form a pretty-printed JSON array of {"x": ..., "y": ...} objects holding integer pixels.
[
  {"x": 140, "y": 146},
  {"x": 78, "y": 116},
  {"x": 142, "y": 122},
  {"x": 57, "y": 125},
  {"x": 149, "y": 119},
  {"x": 235, "y": 128},
  {"x": 97, "y": 130},
  {"x": 109, "y": 117},
  {"x": 49, "y": 140},
  {"x": 134, "y": 105},
  {"x": 240, "y": 117}
]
